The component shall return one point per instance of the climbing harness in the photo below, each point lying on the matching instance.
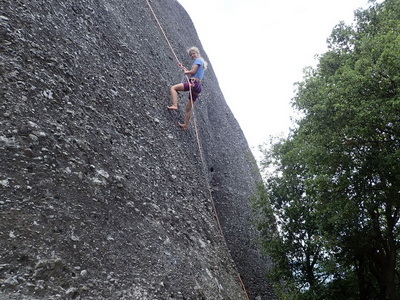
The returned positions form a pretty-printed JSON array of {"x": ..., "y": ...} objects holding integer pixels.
[{"x": 197, "y": 138}]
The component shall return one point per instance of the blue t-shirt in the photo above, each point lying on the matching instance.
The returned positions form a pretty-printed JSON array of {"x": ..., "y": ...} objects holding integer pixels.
[{"x": 200, "y": 70}]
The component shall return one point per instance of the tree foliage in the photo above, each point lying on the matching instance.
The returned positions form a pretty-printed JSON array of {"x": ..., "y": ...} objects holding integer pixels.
[{"x": 335, "y": 194}]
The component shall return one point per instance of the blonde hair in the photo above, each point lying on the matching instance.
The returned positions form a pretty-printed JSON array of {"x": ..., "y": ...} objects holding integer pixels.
[{"x": 195, "y": 49}]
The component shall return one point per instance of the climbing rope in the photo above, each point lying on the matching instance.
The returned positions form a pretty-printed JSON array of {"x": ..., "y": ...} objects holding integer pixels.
[
  {"x": 197, "y": 138},
  {"x": 194, "y": 116},
  {"x": 163, "y": 32}
]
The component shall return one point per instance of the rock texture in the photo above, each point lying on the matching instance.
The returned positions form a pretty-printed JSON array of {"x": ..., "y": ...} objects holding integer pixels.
[{"x": 102, "y": 195}]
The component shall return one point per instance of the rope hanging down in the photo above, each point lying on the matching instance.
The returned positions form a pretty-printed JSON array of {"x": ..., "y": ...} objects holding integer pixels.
[
  {"x": 194, "y": 118},
  {"x": 163, "y": 32},
  {"x": 197, "y": 139}
]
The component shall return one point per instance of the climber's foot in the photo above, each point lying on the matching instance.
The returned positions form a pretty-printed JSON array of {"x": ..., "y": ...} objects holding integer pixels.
[
  {"x": 183, "y": 126},
  {"x": 172, "y": 107}
]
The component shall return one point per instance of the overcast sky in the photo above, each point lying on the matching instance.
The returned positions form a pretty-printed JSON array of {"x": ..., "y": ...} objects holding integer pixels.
[{"x": 258, "y": 49}]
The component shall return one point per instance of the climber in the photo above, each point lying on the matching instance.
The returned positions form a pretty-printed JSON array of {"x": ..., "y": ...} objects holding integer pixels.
[{"x": 195, "y": 75}]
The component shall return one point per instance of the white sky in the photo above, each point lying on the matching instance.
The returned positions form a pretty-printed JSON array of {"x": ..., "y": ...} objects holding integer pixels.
[{"x": 258, "y": 49}]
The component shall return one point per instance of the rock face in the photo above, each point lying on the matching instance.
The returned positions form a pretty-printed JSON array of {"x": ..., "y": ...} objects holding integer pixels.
[{"x": 102, "y": 195}]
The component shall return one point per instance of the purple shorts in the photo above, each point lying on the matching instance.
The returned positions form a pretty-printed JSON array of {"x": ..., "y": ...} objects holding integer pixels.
[{"x": 196, "y": 88}]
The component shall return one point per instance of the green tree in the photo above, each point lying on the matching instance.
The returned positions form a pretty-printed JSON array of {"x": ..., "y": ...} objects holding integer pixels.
[{"x": 335, "y": 194}]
